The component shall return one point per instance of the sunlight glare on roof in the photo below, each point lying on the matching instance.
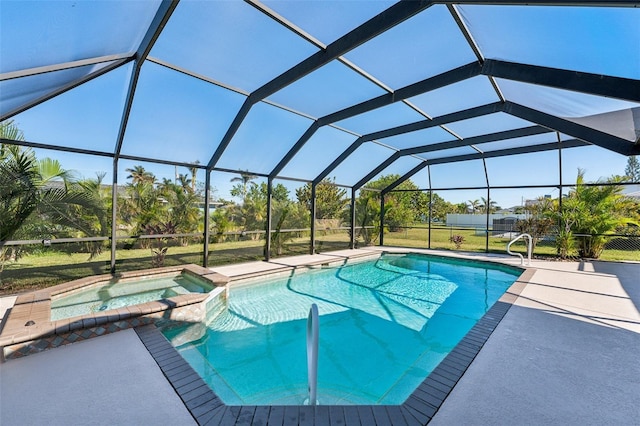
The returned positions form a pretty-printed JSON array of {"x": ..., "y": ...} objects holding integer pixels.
[
  {"x": 597, "y": 40},
  {"x": 87, "y": 117},
  {"x": 20, "y": 91},
  {"x": 40, "y": 33}
]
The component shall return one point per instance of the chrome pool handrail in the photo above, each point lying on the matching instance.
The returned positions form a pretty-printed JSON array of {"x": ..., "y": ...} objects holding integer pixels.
[
  {"x": 312, "y": 353},
  {"x": 529, "y": 248}
]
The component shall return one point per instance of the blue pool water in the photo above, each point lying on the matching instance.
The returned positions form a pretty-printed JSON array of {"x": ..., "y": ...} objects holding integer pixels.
[
  {"x": 117, "y": 294},
  {"x": 384, "y": 325}
]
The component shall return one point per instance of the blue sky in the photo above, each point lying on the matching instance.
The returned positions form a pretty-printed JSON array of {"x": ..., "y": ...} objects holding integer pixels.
[{"x": 176, "y": 117}]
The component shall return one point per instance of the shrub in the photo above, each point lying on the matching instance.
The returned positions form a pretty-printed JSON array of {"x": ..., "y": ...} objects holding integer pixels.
[
  {"x": 537, "y": 227},
  {"x": 457, "y": 240}
]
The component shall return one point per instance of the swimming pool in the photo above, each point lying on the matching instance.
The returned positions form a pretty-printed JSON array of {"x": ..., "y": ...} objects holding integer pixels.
[
  {"x": 118, "y": 293},
  {"x": 384, "y": 325}
]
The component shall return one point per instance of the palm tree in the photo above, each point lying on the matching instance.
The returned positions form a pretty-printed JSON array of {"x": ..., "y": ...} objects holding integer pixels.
[
  {"x": 32, "y": 207},
  {"x": 182, "y": 202},
  {"x": 139, "y": 175},
  {"x": 474, "y": 205},
  {"x": 460, "y": 208},
  {"x": 194, "y": 170},
  {"x": 9, "y": 130},
  {"x": 185, "y": 183},
  {"x": 487, "y": 206},
  {"x": 19, "y": 179},
  {"x": 594, "y": 211},
  {"x": 98, "y": 215},
  {"x": 245, "y": 179},
  {"x": 367, "y": 210}
]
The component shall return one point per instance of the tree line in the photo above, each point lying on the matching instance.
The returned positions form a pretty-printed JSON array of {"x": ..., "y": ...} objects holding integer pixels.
[{"x": 40, "y": 199}]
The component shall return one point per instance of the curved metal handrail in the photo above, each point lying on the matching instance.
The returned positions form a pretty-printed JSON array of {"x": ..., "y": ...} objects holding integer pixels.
[
  {"x": 312, "y": 354},
  {"x": 529, "y": 248}
]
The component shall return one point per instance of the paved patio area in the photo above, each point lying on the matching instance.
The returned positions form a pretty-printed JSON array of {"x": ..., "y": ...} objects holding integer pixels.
[
  {"x": 565, "y": 353},
  {"x": 109, "y": 380}
]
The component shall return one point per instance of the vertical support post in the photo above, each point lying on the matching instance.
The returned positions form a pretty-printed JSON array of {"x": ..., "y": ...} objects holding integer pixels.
[
  {"x": 486, "y": 248},
  {"x": 207, "y": 218},
  {"x": 487, "y": 207},
  {"x": 313, "y": 219},
  {"x": 267, "y": 251},
  {"x": 114, "y": 209},
  {"x": 560, "y": 187},
  {"x": 430, "y": 206},
  {"x": 381, "y": 219},
  {"x": 352, "y": 243}
]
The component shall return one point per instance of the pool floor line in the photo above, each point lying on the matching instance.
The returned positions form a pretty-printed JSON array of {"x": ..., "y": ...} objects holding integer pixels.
[{"x": 419, "y": 408}]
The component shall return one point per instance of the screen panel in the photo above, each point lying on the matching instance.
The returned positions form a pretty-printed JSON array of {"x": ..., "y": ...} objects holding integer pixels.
[
  {"x": 328, "y": 89},
  {"x": 19, "y": 92},
  {"x": 591, "y": 39},
  {"x": 598, "y": 164},
  {"x": 87, "y": 117},
  {"x": 176, "y": 117},
  {"x": 458, "y": 220},
  {"x": 55, "y": 32},
  {"x": 386, "y": 117},
  {"x": 418, "y": 138},
  {"x": 461, "y": 174},
  {"x": 290, "y": 218},
  {"x": 328, "y": 23},
  {"x": 360, "y": 162},
  {"x": 265, "y": 136},
  {"x": 230, "y": 42},
  {"x": 534, "y": 140},
  {"x": 399, "y": 167},
  {"x": 73, "y": 201},
  {"x": 486, "y": 124},
  {"x": 466, "y": 94},
  {"x": 619, "y": 118},
  {"x": 535, "y": 168},
  {"x": 414, "y": 45},
  {"x": 445, "y": 153},
  {"x": 324, "y": 146}
]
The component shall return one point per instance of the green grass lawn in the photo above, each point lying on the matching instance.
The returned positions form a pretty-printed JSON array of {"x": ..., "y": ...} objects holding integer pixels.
[
  {"x": 49, "y": 267},
  {"x": 418, "y": 237}
]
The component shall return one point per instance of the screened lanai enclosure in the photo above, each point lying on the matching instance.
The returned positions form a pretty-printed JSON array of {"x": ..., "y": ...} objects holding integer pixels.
[{"x": 143, "y": 133}]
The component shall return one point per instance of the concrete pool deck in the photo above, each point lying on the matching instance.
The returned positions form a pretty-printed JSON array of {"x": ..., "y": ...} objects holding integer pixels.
[{"x": 566, "y": 352}]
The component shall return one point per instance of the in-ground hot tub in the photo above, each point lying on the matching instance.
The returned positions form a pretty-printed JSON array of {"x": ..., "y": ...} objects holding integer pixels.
[
  {"x": 103, "y": 304},
  {"x": 122, "y": 292}
]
